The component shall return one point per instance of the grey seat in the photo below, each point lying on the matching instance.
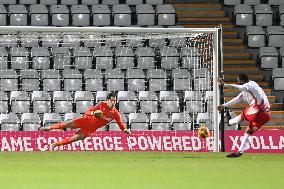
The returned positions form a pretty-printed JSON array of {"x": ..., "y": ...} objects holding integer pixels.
[
  {"x": 155, "y": 2},
  {"x": 268, "y": 57},
  {"x": 156, "y": 41},
  {"x": 41, "y": 102},
  {"x": 50, "y": 39},
  {"x": 275, "y": 36},
  {"x": 169, "y": 58},
  {"x": 202, "y": 73},
  {"x": 278, "y": 79},
  {"x": 61, "y": 58},
  {"x": 177, "y": 42},
  {"x": 92, "y": 40},
  {"x": 157, "y": 79},
  {"x": 18, "y": 15},
  {"x": 83, "y": 100},
  {"x": 134, "y": 2},
  {"x": 30, "y": 121},
  {"x": 148, "y": 102},
  {"x": 51, "y": 80},
  {"x": 181, "y": 121},
  {"x": 29, "y": 80},
  {"x": 113, "y": 41},
  {"x": 71, "y": 116},
  {"x": 243, "y": 15},
  {"x": 20, "y": 102},
  {"x": 232, "y": 2},
  {"x": 8, "y": 2},
  {"x": 103, "y": 57},
  {"x": 134, "y": 40},
  {"x": 9, "y": 80},
  {"x": 101, "y": 96},
  {"x": 3, "y": 58},
  {"x": 62, "y": 102},
  {"x": 135, "y": 79},
  {"x": 9, "y": 40},
  {"x": 59, "y": 15},
  {"x": 9, "y": 122},
  {"x": 113, "y": 125},
  {"x": 80, "y": 15},
  {"x": 181, "y": 80},
  {"x": 275, "y": 2},
  {"x": 40, "y": 58},
  {"x": 169, "y": 102},
  {"x": 127, "y": 102},
  {"x": 190, "y": 57},
  {"x": 124, "y": 57},
  {"x": 51, "y": 118},
  {"x": 101, "y": 15},
  {"x": 282, "y": 56},
  {"x": 138, "y": 121},
  {"x": 121, "y": 15},
  {"x": 194, "y": 102},
  {"x": 69, "y": 2},
  {"x": 110, "y": 2},
  {"x": 209, "y": 101},
  {"x": 39, "y": 15},
  {"x": 48, "y": 2},
  {"x": 202, "y": 84},
  {"x": 205, "y": 119},
  {"x": 30, "y": 39},
  {"x": 83, "y": 58},
  {"x": 90, "y": 2},
  {"x": 263, "y": 15},
  {"x": 160, "y": 121},
  {"x": 114, "y": 80},
  {"x": 4, "y": 104},
  {"x": 3, "y": 15},
  {"x": 166, "y": 15},
  {"x": 28, "y": 2},
  {"x": 255, "y": 36},
  {"x": 281, "y": 14},
  {"x": 19, "y": 58},
  {"x": 252, "y": 2},
  {"x": 93, "y": 80},
  {"x": 145, "y": 57},
  {"x": 145, "y": 15},
  {"x": 71, "y": 40},
  {"x": 72, "y": 80}
]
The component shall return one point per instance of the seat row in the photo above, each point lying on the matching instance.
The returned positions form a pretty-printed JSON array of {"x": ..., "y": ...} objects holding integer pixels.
[
  {"x": 253, "y": 2},
  {"x": 269, "y": 58}
]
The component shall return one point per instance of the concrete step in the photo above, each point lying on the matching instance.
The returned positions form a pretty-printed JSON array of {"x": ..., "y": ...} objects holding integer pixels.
[
  {"x": 230, "y": 34},
  {"x": 262, "y": 84},
  {"x": 200, "y": 14},
  {"x": 234, "y": 49},
  {"x": 231, "y": 92},
  {"x": 267, "y": 127},
  {"x": 271, "y": 99},
  {"x": 233, "y": 77},
  {"x": 209, "y": 20},
  {"x": 197, "y": 7},
  {"x": 274, "y": 114},
  {"x": 226, "y": 27},
  {"x": 236, "y": 55},
  {"x": 249, "y": 70},
  {"x": 241, "y": 106},
  {"x": 233, "y": 41},
  {"x": 239, "y": 63}
]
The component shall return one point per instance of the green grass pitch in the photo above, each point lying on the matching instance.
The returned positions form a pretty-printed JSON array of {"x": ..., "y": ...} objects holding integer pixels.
[{"x": 139, "y": 170}]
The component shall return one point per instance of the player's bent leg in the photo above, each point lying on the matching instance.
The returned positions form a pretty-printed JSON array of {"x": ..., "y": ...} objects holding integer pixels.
[
  {"x": 61, "y": 125},
  {"x": 76, "y": 137}
]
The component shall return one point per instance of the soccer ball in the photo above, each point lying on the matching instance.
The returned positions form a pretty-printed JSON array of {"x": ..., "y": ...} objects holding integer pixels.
[{"x": 203, "y": 132}]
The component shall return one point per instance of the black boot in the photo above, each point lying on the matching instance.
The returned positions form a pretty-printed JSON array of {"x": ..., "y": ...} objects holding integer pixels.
[{"x": 234, "y": 155}]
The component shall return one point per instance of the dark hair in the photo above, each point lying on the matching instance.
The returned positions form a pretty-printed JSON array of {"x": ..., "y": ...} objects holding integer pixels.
[
  {"x": 244, "y": 77},
  {"x": 110, "y": 95}
]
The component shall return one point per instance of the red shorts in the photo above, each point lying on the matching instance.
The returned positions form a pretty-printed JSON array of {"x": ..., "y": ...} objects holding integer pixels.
[
  {"x": 86, "y": 125},
  {"x": 256, "y": 120}
]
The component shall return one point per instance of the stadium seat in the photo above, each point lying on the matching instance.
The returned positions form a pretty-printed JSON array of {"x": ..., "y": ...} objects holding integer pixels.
[
  {"x": 28, "y": 2},
  {"x": 205, "y": 119},
  {"x": 113, "y": 125},
  {"x": 50, "y": 39},
  {"x": 101, "y": 15},
  {"x": 93, "y": 80},
  {"x": 278, "y": 79},
  {"x": 29, "y": 40},
  {"x": 232, "y": 2},
  {"x": 169, "y": 58},
  {"x": 72, "y": 80},
  {"x": 4, "y": 104},
  {"x": 40, "y": 58},
  {"x": 255, "y": 36},
  {"x": 71, "y": 40},
  {"x": 39, "y": 15},
  {"x": 275, "y": 36},
  {"x": 91, "y": 40},
  {"x": 69, "y": 2},
  {"x": 83, "y": 100},
  {"x": 9, "y": 40},
  {"x": 169, "y": 102},
  {"x": 275, "y": 2},
  {"x": 90, "y": 2},
  {"x": 124, "y": 57},
  {"x": 252, "y": 2},
  {"x": 190, "y": 57},
  {"x": 8, "y": 2},
  {"x": 101, "y": 96},
  {"x": 3, "y": 15},
  {"x": 194, "y": 102},
  {"x": 156, "y": 42},
  {"x": 71, "y": 116},
  {"x": 51, "y": 118},
  {"x": 51, "y": 80},
  {"x": 41, "y": 102},
  {"x": 263, "y": 15},
  {"x": 181, "y": 121},
  {"x": 121, "y": 15},
  {"x": 3, "y": 58},
  {"x": 127, "y": 102},
  {"x": 181, "y": 80},
  {"x": 135, "y": 79},
  {"x": 134, "y": 2},
  {"x": 209, "y": 101},
  {"x": 59, "y": 15},
  {"x": 157, "y": 79},
  {"x": 138, "y": 121},
  {"x": 19, "y": 58},
  {"x": 201, "y": 73},
  {"x": 145, "y": 15},
  {"x": 48, "y": 2},
  {"x": 160, "y": 121},
  {"x": 113, "y": 41},
  {"x": 9, "y": 80},
  {"x": 148, "y": 102},
  {"x": 30, "y": 121},
  {"x": 103, "y": 57},
  {"x": 268, "y": 57},
  {"x": 82, "y": 58},
  {"x": 155, "y": 2},
  {"x": 145, "y": 58},
  {"x": 281, "y": 14},
  {"x": 202, "y": 84},
  {"x": 110, "y": 2},
  {"x": 166, "y": 15},
  {"x": 61, "y": 58},
  {"x": 9, "y": 122},
  {"x": 177, "y": 42},
  {"x": 114, "y": 80},
  {"x": 243, "y": 15},
  {"x": 282, "y": 56},
  {"x": 29, "y": 80},
  {"x": 62, "y": 102},
  {"x": 18, "y": 15},
  {"x": 80, "y": 15}
]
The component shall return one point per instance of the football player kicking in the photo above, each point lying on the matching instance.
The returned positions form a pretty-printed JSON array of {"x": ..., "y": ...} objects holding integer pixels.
[
  {"x": 94, "y": 118},
  {"x": 257, "y": 113}
]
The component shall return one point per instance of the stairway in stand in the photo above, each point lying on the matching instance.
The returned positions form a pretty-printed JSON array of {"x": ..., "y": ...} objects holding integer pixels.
[{"x": 236, "y": 58}]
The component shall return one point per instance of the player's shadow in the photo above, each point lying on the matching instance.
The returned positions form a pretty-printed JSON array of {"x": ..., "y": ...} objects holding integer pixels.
[{"x": 185, "y": 157}]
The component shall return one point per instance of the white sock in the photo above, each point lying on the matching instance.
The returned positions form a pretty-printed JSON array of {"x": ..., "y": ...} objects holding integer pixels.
[
  {"x": 235, "y": 120},
  {"x": 244, "y": 142}
]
